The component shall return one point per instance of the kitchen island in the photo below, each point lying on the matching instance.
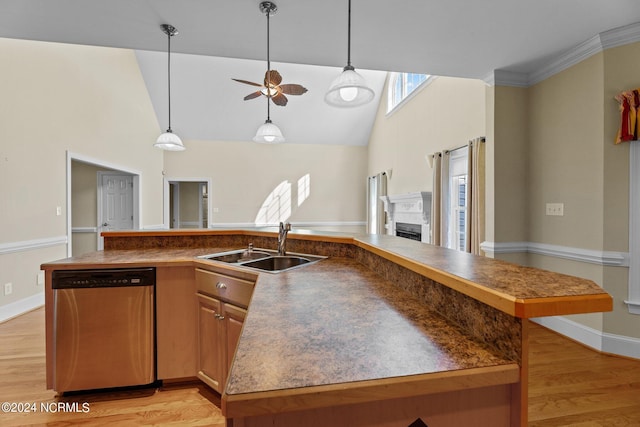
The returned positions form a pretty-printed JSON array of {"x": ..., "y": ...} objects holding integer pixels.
[{"x": 383, "y": 332}]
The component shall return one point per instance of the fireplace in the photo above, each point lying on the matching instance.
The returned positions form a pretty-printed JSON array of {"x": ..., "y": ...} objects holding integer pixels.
[
  {"x": 409, "y": 215},
  {"x": 409, "y": 231}
]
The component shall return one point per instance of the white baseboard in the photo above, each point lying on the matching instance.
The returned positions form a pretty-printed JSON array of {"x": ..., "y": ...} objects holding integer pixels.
[
  {"x": 601, "y": 341},
  {"x": 22, "y": 306}
]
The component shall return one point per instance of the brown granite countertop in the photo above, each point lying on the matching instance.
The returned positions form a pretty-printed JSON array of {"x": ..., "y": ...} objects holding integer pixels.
[
  {"x": 517, "y": 290},
  {"x": 338, "y": 322}
]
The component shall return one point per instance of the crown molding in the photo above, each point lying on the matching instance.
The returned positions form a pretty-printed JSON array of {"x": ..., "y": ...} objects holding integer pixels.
[
  {"x": 507, "y": 78},
  {"x": 600, "y": 42}
]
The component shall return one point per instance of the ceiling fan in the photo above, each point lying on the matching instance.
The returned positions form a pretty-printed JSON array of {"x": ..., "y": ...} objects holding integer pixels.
[{"x": 272, "y": 87}]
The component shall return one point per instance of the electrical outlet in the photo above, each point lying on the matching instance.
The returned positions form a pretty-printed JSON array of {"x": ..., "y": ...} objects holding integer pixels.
[
  {"x": 555, "y": 209},
  {"x": 8, "y": 289},
  {"x": 40, "y": 278}
]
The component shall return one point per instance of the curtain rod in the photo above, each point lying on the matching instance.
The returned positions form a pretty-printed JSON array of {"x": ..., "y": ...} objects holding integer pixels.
[{"x": 482, "y": 139}]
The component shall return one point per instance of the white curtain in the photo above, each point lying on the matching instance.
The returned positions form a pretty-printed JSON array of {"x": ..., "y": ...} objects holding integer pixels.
[
  {"x": 436, "y": 200},
  {"x": 376, "y": 188}
]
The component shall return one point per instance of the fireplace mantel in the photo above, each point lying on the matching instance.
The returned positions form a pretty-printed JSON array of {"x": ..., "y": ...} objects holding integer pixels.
[{"x": 409, "y": 208}]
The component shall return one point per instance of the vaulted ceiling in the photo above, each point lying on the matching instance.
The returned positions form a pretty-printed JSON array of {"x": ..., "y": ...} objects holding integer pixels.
[{"x": 222, "y": 39}]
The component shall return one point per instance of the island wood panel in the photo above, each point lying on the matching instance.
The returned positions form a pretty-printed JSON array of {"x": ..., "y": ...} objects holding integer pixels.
[
  {"x": 552, "y": 306},
  {"x": 176, "y": 322},
  {"x": 49, "y": 319},
  {"x": 316, "y": 397},
  {"x": 477, "y": 407}
]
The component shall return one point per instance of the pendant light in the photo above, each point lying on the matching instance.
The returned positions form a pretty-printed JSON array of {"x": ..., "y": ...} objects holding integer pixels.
[
  {"x": 349, "y": 89},
  {"x": 268, "y": 133},
  {"x": 169, "y": 140}
]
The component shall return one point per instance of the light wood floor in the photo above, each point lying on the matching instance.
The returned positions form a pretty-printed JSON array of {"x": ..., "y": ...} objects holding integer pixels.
[{"x": 570, "y": 385}]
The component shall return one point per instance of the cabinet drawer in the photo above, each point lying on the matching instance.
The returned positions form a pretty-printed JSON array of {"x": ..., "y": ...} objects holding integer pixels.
[{"x": 232, "y": 289}]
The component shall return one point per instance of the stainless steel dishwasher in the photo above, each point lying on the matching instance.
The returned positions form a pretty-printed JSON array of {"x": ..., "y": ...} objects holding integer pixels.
[{"x": 104, "y": 325}]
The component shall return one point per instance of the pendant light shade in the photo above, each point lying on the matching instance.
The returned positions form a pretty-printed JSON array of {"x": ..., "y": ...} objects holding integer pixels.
[
  {"x": 169, "y": 140},
  {"x": 268, "y": 133},
  {"x": 349, "y": 89}
]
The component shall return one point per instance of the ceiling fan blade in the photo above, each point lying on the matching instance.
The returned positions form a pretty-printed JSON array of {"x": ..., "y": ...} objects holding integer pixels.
[
  {"x": 280, "y": 99},
  {"x": 272, "y": 77},
  {"x": 248, "y": 82},
  {"x": 293, "y": 89},
  {"x": 253, "y": 95}
]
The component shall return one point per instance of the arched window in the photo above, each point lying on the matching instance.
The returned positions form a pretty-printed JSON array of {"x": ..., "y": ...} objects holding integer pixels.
[{"x": 401, "y": 85}]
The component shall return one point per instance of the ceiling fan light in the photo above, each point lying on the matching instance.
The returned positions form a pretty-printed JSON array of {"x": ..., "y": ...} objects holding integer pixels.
[
  {"x": 349, "y": 89},
  {"x": 169, "y": 141},
  {"x": 268, "y": 133}
]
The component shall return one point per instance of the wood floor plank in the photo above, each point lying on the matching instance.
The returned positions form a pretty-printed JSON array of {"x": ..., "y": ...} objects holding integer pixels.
[{"x": 569, "y": 385}]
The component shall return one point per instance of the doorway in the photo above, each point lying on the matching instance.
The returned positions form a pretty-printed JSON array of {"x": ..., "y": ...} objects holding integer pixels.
[
  {"x": 187, "y": 202},
  {"x": 86, "y": 202}
]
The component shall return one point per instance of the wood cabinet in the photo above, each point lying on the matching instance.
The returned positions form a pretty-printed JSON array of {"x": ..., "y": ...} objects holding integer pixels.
[
  {"x": 221, "y": 299},
  {"x": 176, "y": 322},
  {"x": 211, "y": 333}
]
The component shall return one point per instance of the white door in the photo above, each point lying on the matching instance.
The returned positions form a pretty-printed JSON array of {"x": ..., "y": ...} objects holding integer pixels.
[{"x": 117, "y": 203}]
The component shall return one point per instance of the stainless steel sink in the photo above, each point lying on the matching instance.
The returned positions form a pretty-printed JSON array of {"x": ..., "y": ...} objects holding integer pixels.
[
  {"x": 264, "y": 259},
  {"x": 241, "y": 255},
  {"x": 278, "y": 263}
]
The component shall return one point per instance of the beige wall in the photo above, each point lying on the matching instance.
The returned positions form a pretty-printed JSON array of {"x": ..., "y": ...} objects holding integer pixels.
[
  {"x": 566, "y": 147},
  {"x": 569, "y": 121},
  {"x": 57, "y": 98},
  {"x": 508, "y": 145},
  {"x": 243, "y": 174},
  {"x": 189, "y": 202},
  {"x": 84, "y": 203},
  {"x": 621, "y": 72},
  {"x": 445, "y": 114}
]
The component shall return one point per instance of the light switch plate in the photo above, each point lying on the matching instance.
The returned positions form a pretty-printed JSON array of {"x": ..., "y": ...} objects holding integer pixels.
[{"x": 555, "y": 209}]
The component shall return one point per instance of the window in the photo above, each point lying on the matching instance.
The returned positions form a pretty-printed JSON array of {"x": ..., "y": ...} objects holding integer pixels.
[
  {"x": 401, "y": 85},
  {"x": 457, "y": 196}
]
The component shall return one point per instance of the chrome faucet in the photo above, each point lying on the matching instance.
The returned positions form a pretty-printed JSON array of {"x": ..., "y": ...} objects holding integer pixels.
[{"x": 282, "y": 238}]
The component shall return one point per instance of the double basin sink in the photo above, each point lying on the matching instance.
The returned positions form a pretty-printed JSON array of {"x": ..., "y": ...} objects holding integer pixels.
[{"x": 264, "y": 259}]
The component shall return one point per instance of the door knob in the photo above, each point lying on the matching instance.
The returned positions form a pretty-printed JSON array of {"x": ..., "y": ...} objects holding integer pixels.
[{"x": 106, "y": 224}]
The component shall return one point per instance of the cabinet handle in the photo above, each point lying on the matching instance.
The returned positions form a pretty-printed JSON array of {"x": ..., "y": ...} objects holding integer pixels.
[
  {"x": 221, "y": 285},
  {"x": 220, "y": 317}
]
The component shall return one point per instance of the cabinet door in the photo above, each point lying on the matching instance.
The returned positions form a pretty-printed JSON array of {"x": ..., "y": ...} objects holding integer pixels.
[
  {"x": 234, "y": 318},
  {"x": 176, "y": 323},
  {"x": 211, "y": 339}
]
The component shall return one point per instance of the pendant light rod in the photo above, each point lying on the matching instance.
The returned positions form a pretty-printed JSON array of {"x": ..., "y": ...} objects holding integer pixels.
[
  {"x": 169, "y": 140},
  {"x": 170, "y": 31},
  {"x": 349, "y": 89},
  {"x": 268, "y": 132},
  {"x": 349, "y": 67},
  {"x": 268, "y": 8},
  {"x": 268, "y": 12}
]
